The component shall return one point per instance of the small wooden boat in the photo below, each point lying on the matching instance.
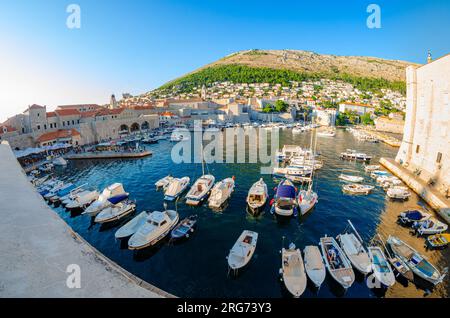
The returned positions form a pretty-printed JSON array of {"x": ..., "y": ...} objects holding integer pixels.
[
  {"x": 221, "y": 192},
  {"x": 293, "y": 270},
  {"x": 352, "y": 245},
  {"x": 131, "y": 226},
  {"x": 82, "y": 200},
  {"x": 336, "y": 262},
  {"x": 315, "y": 269},
  {"x": 200, "y": 190},
  {"x": 398, "y": 193},
  {"x": 399, "y": 265},
  {"x": 429, "y": 227},
  {"x": 257, "y": 197},
  {"x": 357, "y": 188},
  {"x": 411, "y": 216},
  {"x": 157, "y": 226},
  {"x": 284, "y": 202},
  {"x": 112, "y": 194},
  {"x": 164, "y": 182},
  {"x": 242, "y": 250},
  {"x": 438, "y": 240},
  {"x": 115, "y": 212},
  {"x": 350, "y": 178},
  {"x": 176, "y": 188},
  {"x": 416, "y": 262},
  {"x": 306, "y": 200},
  {"x": 380, "y": 267},
  {"x": 185, "y": 228}
]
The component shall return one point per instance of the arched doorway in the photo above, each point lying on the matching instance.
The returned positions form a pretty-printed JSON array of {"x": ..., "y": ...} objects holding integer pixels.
[
  {"x": 145, "y": 125},
  {"x": 134, "y": 127},
  {"x": 123, "y": 130}
]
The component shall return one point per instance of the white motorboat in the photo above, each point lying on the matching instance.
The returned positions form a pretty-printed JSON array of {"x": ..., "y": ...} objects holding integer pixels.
[
  {"x": 284, "y": 202},
  {"x": 371, "y": 168},
  {"x": 306, "y": 200},
  {"x": 350, "y": 178},
  {"x": 380, "y": 267},
  {"x": 315, "y": 269},
  {"x": 115, "y": 212},
  {"x": 176, "y": 188},
  {"x": 242, "y": 250},
  {"x": 336, "y": 262},
  {"x": 157, "y": 226},
  {"x": 72, "y": 195},
  {"x": 164, "y": 182},
  {"x": 352, "y": 245},
  {"x": 114, "y": 190},
  {"x": 293, "y": 270},
  {"x": 221, "y": 192},
  {"x": 257, "y": 196},
  {"x": 200, "y": 189},
  {"x": 132, "y": 226},
  {"x": 59, "y": 161},
  {"x": 379, "y": 173},
  {"x": 416, "y": 262},
  {"x": 82, "y": 199},
  {"x": 398, "y": 192},
  {"x": 357, "y": 188},
  {"x": 430, "y": 226},
  {"x": 354, "y": 155},
  {"x": 298, "y": 174}
]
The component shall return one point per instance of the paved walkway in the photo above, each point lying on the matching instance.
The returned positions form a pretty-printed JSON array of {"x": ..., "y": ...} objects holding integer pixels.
[{"x": 37, "y": 246}]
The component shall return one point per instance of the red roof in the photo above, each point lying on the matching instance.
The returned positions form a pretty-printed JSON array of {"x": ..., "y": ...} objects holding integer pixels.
[
  {"x": 105, "y": 112},
  {"x": 8, "y": 129},
  {"x": 62, "y": 133},
  {"x": 91, "y": 113},
  {"x": 67, "y": 112},
  {"x": 167, "y": 114},
  {"x": 51, "y": 114}
]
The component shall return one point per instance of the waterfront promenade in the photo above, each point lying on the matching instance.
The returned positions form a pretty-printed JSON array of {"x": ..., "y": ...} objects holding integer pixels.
[
  {"x": 436, "y": 200},
  {"x": 108, "y": 155},
  {"x": 38, "y": 246}
]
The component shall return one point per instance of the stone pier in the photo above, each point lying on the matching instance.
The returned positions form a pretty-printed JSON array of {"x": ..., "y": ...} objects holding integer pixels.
[
  {"x": 39, "y": 251},
  {"x": 435, "y": 199}
]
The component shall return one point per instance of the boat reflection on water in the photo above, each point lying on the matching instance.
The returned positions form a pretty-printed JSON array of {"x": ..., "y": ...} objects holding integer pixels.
[{"x": 440, "y": 258}]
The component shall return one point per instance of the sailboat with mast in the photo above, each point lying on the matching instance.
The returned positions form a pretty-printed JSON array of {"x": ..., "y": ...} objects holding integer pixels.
[
  {"x": 307, "y": 198},
  {"x": 201, "y": 188}
]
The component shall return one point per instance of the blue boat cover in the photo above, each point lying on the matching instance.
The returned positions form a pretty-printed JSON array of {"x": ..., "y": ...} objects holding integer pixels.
[
  {"x": 118, "y": 198},
  {"x": 285, "y": 191},
  {"x": 66, "y": 190},
  {"x": 414, "y": 215}
]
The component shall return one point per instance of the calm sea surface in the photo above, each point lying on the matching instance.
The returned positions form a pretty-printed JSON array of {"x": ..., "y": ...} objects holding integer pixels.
[{"x": 198, "y": 267}]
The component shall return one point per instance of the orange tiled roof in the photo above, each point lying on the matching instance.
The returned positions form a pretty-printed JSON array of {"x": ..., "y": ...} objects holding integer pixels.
[
  {"x": 95, "y": 106},
  {"x": 51, "y": 114},
  {"x": 67, "y": 112},
  {"x": 62, "y": 133},
  {"x": 8, "y": 129},
  {"x": 167, "y": 114}
]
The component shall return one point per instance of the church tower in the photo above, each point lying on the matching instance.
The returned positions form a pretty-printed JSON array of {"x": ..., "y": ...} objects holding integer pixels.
[{"x": 113, "y": 102}]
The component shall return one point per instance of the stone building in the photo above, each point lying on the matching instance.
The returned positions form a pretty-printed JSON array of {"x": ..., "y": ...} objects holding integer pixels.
[
  {"x": 391, "y": 124},
  {"x": 360, "y": 109},
  {"x": 425, "y": 149}
]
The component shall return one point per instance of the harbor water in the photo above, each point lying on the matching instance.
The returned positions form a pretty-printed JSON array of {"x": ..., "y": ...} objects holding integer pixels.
[{"x": 197, "y": 267}]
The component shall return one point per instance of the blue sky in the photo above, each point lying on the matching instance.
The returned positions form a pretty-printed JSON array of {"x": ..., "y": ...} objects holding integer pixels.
[{"x": 134, "y": 46}]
